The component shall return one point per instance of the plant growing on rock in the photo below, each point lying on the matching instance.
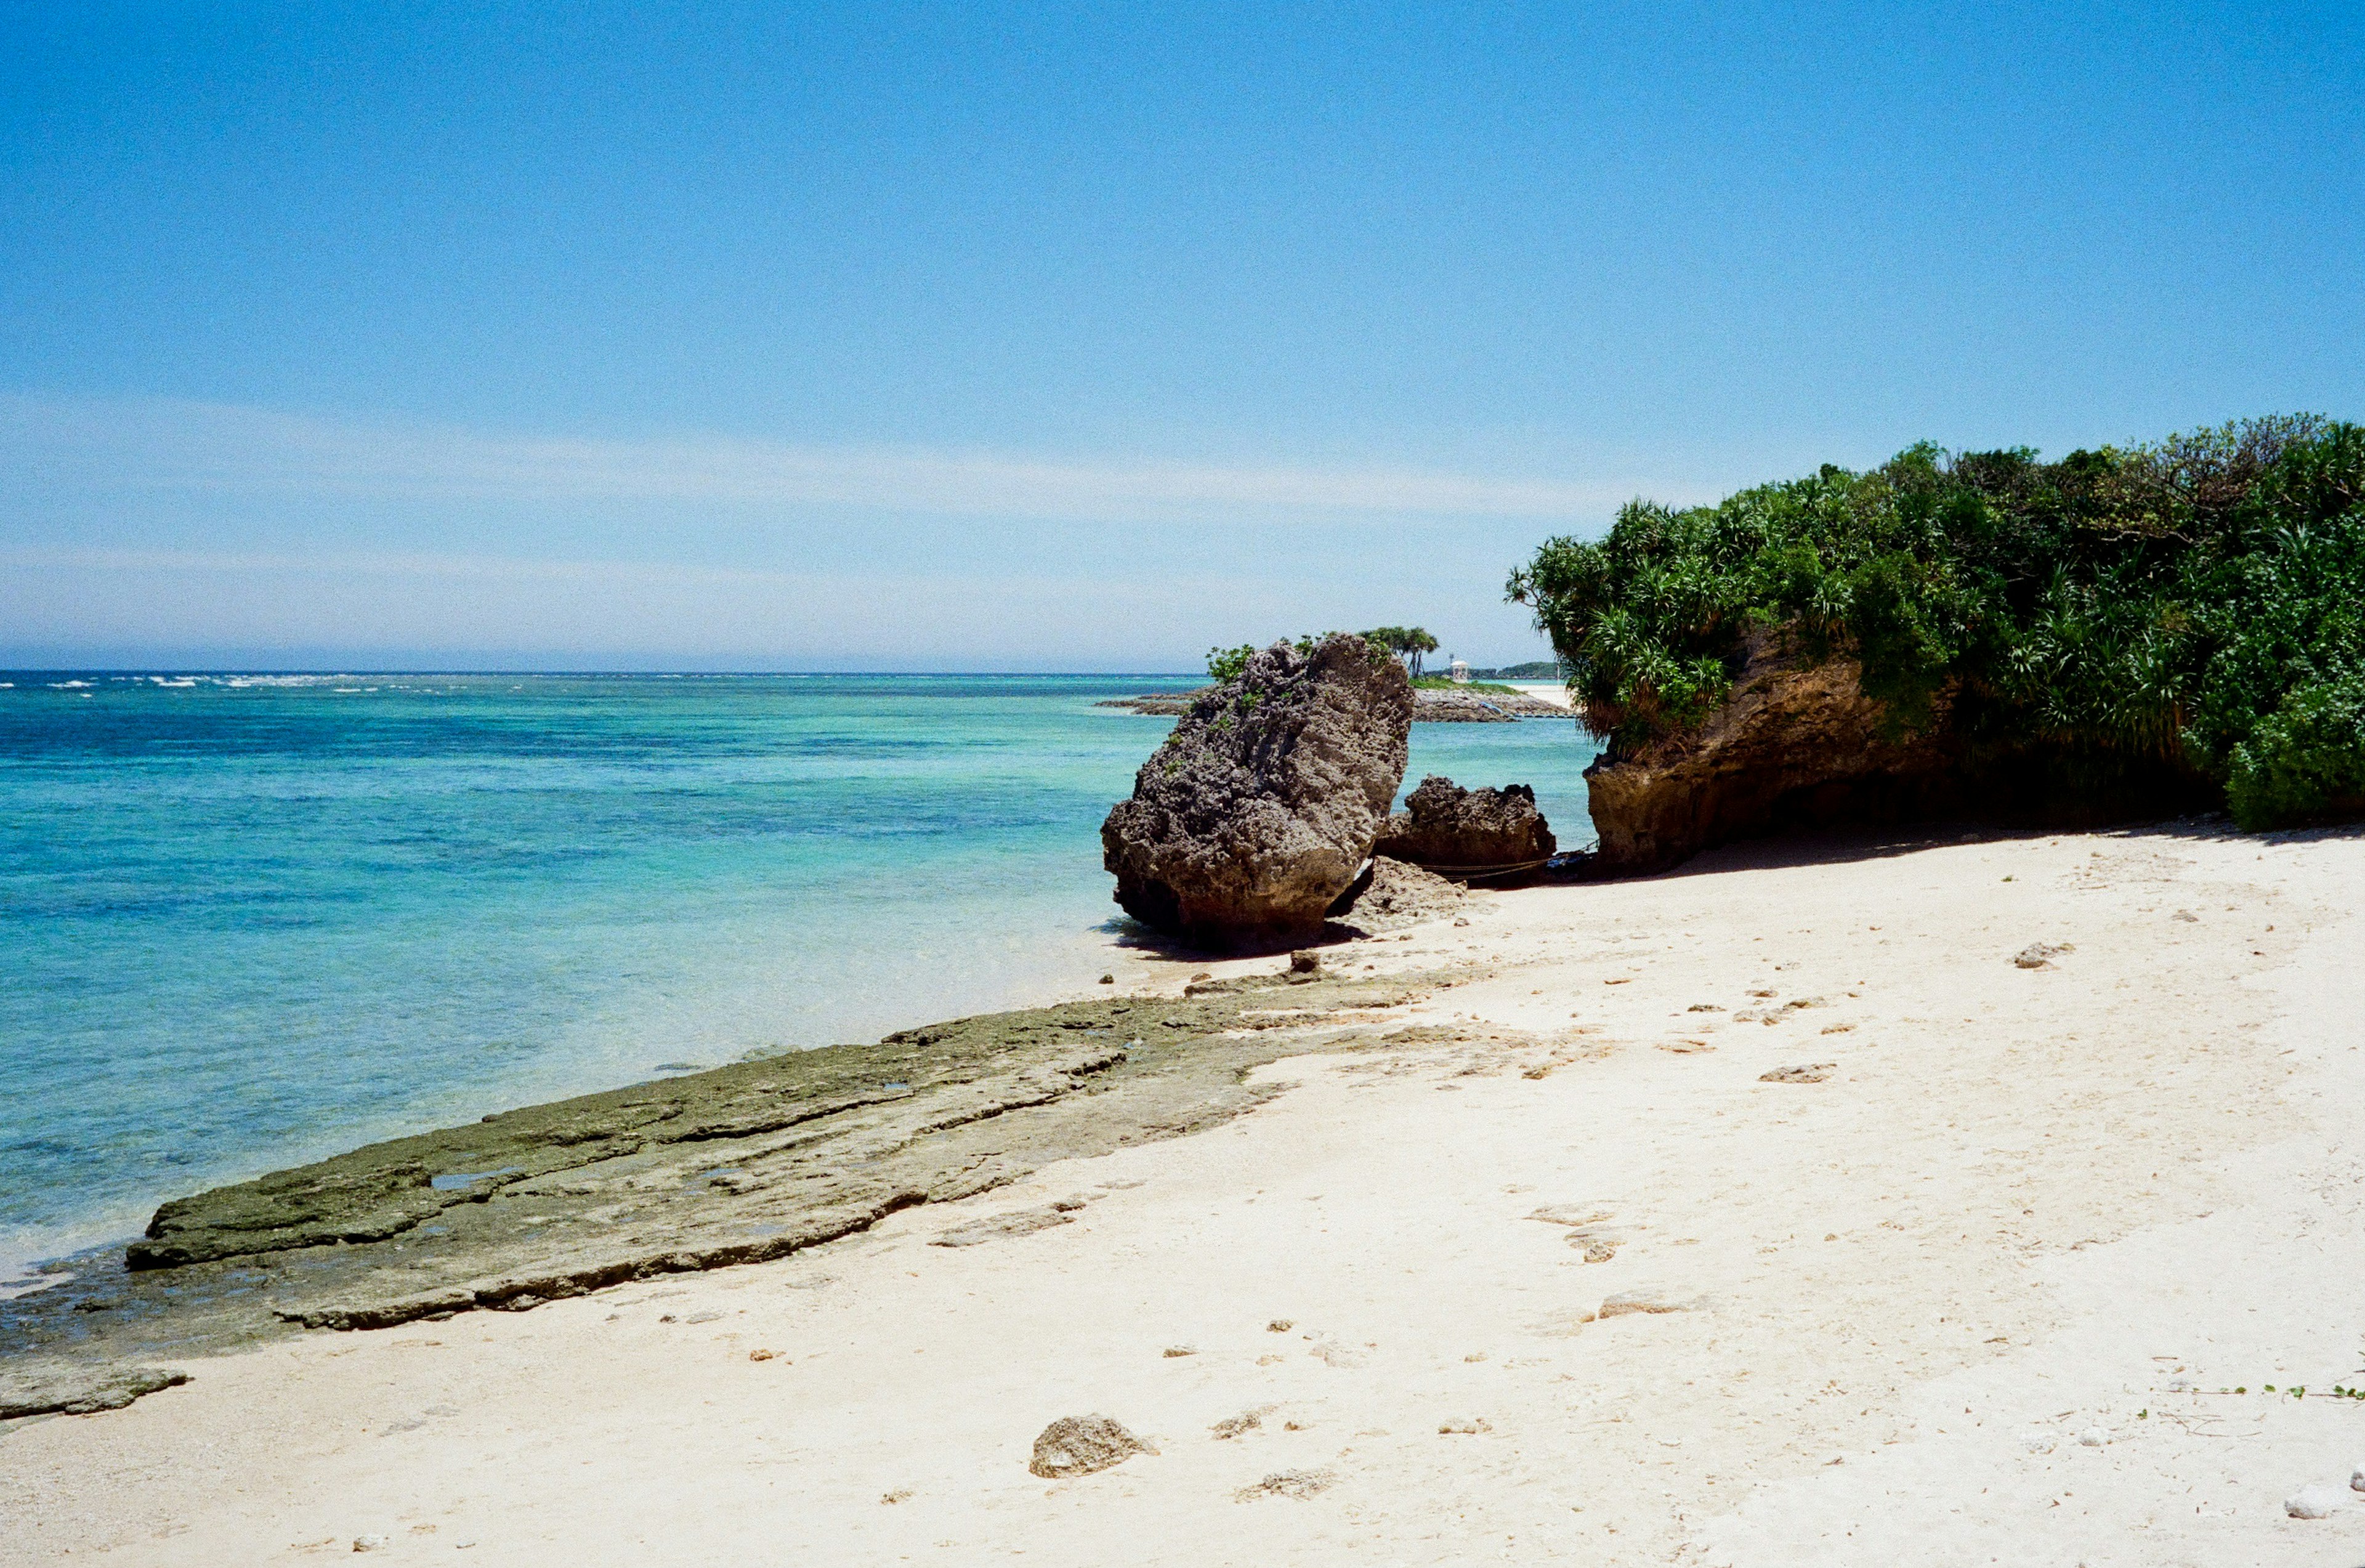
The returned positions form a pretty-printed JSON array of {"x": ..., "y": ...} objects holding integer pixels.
[{"x": 2194, "y": 607}]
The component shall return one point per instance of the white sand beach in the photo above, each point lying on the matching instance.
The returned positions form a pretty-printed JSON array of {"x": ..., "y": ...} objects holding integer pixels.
[{"x": 1967, "y": 1290}]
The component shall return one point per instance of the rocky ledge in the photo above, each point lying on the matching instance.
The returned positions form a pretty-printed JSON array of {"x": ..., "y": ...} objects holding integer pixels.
[{"x": 735, "y": 1165}]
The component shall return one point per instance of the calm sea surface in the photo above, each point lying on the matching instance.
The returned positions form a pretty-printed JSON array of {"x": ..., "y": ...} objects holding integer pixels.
[{"x": 248, "y": 920}]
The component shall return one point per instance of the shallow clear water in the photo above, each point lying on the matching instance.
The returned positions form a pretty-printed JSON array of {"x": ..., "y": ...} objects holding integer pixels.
[{"x": 250, "y": 920}]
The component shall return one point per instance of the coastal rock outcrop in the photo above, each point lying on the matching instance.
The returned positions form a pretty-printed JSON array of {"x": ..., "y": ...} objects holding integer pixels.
[
  {"x": 1260, "y": 808},
  {"x": 1448, "y": 827},
  {"x": 1798, "y": 744},
  {"x": 740, "y": 1164}
]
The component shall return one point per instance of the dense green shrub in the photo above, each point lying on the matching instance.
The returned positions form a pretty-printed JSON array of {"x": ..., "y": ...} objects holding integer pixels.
[
  {"x": 1394, "y": 642},
  {"x": 2198, "y": 604}
]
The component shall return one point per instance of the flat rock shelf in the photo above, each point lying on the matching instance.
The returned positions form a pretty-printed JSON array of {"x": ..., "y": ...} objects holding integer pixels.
[{"x": 736, "y": 1165}]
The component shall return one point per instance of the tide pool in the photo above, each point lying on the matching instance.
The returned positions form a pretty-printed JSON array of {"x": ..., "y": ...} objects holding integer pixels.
[{"x": 250, "y": 920}]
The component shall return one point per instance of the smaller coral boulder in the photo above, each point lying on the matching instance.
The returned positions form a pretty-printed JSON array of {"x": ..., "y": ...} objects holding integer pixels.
[{"x": 1448, "y": 828}]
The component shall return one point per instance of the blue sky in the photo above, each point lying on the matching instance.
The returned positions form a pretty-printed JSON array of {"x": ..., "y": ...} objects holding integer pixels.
[{"x": 1038, "y": 337}]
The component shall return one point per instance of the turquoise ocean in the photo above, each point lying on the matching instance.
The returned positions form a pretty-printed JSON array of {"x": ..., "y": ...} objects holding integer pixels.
[{"x": 248, "y": 920}]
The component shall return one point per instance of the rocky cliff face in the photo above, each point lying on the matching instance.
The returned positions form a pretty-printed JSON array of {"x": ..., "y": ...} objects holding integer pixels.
[
  {"x": 1800, "y": 746},
  {"x": 1261, "y": 806},
  {"x": 1796, "y": 745}
]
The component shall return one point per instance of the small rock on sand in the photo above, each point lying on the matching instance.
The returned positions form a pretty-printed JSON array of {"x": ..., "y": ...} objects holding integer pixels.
[
  {"x": 1298, "y": 1484},
  {"x": 1079, "y": 1445},
  {"x": 2357, "y": 1479},
  {"x": 370, "y": 1543},
  {"x": 1394, "y": 895},
  {"x": 1570, "y": 1214},
  {"x": 1246, "y": 1421},
  {"x": 2320, "y": 1501},
  {"x": 1809, "y": 1072},
  {"x": 2040, "y": 954}
]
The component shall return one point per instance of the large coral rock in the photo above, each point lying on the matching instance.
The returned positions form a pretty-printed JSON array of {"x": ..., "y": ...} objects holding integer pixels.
[
  {"x": 1796, "y": 745},
  {"x": 1261, "y": 806},
  {"x": 1446, "y": 826}
]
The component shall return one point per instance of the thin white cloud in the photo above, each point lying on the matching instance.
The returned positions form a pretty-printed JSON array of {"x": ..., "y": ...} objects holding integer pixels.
[
  {"x": 147, "y": 604},
  {"x": 158, "y": 444}
]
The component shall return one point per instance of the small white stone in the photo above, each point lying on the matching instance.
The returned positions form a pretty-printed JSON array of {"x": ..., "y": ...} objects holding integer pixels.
[
  {"x": 2038, "y": 1441},
  {"x": 370, "y": 1543},
  {"x": 2357, "y": 1479},
  {"x": 2093, "y": 1437},
  {"x": 2320, "y": 1501}
]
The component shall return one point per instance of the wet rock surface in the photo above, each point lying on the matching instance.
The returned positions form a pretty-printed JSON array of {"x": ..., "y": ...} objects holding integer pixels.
[
  {"x": 1444, "y": 827},
  {"x": 1260, "y": 808},
  {"x": 738, "y": 1164}
]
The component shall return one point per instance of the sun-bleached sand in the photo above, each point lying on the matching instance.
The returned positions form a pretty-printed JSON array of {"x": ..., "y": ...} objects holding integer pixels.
[{"x": 1563, "y": 1278}]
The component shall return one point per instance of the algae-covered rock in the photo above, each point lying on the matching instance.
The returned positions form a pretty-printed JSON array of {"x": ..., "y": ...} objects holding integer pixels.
[
  {"x": 1260, "y": 808},
  {"x": 80, "y": 1390}
]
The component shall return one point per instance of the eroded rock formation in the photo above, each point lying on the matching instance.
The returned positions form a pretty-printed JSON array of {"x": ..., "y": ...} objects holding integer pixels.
[
  {"x": 1449, "y": 828},
  {"x": 1796, "y": 745},
  {"x": 1260, "y": 808}
]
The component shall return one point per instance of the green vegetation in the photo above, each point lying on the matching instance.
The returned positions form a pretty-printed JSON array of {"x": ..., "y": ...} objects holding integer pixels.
[
  {"x": 2194, "y": 607},
  {"x": 1406, "y": 643}
]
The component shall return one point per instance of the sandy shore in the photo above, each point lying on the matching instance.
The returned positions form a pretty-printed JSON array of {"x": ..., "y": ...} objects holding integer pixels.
[{"x": 1965, "y": 1290}]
